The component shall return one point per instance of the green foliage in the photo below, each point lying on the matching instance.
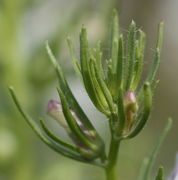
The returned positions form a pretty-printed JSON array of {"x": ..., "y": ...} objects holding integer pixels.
[
  {"x": 116, "y": 94},
  {"x": 160, "y": 174},
  {"x": 149, "y": 161}
]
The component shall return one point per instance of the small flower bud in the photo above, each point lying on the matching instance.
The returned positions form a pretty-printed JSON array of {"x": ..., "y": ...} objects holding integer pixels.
[
  {"x": 129, "y": 98},
  {"x": 131, "y": 108},
  {"x": 54, "y": 110}
]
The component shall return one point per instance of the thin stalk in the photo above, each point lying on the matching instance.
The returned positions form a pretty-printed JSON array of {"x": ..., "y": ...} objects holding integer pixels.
[{"x": 112, "y": 159}]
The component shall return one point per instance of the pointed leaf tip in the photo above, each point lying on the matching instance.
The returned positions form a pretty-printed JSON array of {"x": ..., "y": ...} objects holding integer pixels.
[
  {"x": 83, "y": 29},
  {"x": 11, "y": 88},
  {"x": 169, "y": 123},
  {"x": 120, "y": 36},
  {"x": 160, "y": 173},
  {"x": 133, "y": 23},
  {"x": 146, "y": 84},
  {"x": 161, "y": 24}
]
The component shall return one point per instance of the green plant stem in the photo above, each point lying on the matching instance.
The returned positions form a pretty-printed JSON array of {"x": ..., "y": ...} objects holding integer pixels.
[{"x": 112, "y": 160}]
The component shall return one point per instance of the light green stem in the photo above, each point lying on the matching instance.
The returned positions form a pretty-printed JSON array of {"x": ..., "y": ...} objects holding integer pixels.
[{"x": 112, "y": 160}]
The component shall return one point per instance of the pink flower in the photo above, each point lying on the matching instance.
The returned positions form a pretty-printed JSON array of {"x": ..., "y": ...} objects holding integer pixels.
[{"x": 54, "y": 110}]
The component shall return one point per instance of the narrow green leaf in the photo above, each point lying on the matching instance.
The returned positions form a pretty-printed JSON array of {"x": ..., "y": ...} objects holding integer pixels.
[
  {"x": 114, "y": 40},
  {"x": 137, "y": 54},
  {"x": 139, "y": 59},
  {"x": 121, "y": 113},
  {"x": 83, "y": 152},
  {"x": 142, "y": 39},
  {"x": 57, "y": 139},
  {"x": 120, "y": 63},
  {"x": 97, "y": 87},
  {"x": 144, "y": 115},
  {"x": 99, "y": 60},
  {"x": 75, "y": 61},
  {"x": 110, "y": 75},
  {"x": 154, "y": 68},
  {"x": 73, "y": 124},
  {"x": 154, "y": 86},
  {"x": 154, "y": 153},
  {"x": 84, "y": 60},
  {"x": 156, "y": 61},
  {"x": 144, "y": 164},
  {"x": 56, "y": 67},
  {"x": 105, "y": 90},
  {"x": 86, "y": 74},
  {"x": 38, "y": 132},
  {"x": 160, "y": 36},
  {"x": 111, "y": 80},
  {"x": 160, "y": 174},
  {"x": 130, "y": 64}
]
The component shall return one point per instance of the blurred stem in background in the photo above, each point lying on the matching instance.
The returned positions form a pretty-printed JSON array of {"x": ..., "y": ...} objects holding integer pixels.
[{"x": 16, "y": 70}]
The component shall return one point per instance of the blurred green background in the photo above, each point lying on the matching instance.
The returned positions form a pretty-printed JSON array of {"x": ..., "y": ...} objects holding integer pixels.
[{"x": 25, "y": 25}]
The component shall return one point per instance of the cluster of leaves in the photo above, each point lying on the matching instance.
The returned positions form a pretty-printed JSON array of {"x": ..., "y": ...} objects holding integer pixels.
[{"x": 115, "y": 89}]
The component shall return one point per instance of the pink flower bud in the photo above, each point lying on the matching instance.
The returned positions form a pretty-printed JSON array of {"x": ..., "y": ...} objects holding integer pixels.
[
  {"x": 129, "y": 98},
  {"x": 130, "y": 101},
  {"x": 131, "y": 108},
  {"x": 54, "y": 110}
]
